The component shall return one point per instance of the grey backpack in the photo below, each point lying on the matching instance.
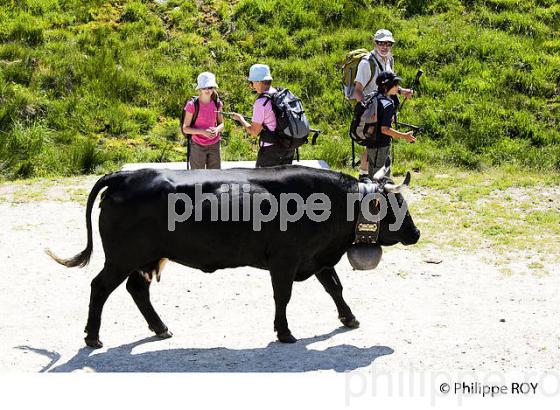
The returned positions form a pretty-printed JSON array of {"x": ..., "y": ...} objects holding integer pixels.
[
  {"x": 363, "y": 127},
  {"x": 292, "y": 126}
]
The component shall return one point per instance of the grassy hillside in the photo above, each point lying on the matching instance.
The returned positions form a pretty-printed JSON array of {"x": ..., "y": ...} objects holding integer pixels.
[{"x": 86, "y": 85}]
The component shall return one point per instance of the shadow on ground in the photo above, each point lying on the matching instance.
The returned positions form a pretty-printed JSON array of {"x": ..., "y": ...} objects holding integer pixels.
[{"x": 276, "y": 357}]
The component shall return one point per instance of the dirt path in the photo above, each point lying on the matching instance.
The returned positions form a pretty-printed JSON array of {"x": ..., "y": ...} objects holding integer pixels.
[{"x": 461, "y": 314}]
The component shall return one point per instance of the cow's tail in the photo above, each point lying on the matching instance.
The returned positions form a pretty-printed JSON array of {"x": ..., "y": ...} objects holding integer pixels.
[{"x": 82, "y": 259}]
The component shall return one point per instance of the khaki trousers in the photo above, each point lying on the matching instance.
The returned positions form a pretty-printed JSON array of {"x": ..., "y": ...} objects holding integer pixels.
[{"x": 205, "y": 156}]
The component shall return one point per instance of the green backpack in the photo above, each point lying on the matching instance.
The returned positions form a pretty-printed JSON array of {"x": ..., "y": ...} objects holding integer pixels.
[{"x": 350, "y": 69}]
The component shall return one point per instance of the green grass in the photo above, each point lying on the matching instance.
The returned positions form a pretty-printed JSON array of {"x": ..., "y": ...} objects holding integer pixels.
[
  {"x": 86, "y": 85},
  {"x": 506, "y": 211}
]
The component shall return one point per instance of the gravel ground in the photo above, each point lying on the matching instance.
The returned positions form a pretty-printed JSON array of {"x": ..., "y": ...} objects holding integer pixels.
[{"x": 461, "y": 314}]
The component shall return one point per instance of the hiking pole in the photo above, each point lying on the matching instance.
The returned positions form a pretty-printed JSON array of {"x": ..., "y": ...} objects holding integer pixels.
[
  {"x": 229, "y": 114},
  {"x": 415, "y": 84},
  {"x": 415, "y": 128}
]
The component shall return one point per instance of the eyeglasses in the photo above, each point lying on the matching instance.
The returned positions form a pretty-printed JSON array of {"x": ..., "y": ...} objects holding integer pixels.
[
  {"x": 384, "y": 43},
  {"x": 207, "y": 88}
]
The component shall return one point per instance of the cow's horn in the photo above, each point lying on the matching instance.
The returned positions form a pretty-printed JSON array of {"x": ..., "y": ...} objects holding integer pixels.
[
  {"x": 383, "y": 170},
  {"x": 392, "y": 188}
]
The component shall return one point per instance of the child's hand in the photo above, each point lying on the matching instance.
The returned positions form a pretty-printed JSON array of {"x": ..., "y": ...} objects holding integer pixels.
[
  {"x": 237, "y": 117},
  {"x": 211, "y": 131},
  {"x": 409, "y": 136}
]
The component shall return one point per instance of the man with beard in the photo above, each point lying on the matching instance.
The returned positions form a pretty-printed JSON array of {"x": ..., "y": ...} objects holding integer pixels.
[{"x": 380, "y": 59}]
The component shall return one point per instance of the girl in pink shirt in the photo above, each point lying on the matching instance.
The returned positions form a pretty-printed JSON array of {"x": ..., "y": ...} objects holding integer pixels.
[{"x": 207, "y": 125}]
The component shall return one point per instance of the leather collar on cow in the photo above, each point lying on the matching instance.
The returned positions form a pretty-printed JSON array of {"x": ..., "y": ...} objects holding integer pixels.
[{"x": 367, "y": 231}]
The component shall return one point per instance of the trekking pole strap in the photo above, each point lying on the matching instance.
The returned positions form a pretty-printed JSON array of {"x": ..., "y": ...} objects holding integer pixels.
[{"x": 188, "y": 153}]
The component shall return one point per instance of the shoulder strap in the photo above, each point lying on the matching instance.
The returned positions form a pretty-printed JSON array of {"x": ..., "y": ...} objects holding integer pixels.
[
  {"x": 267, "y": 97},
  {"x": 193, "y": 119},
  {"x": 217, "y": 103},
  {"x": 373, "y": 64},
  {"x": 217, "y": 100},
  {"x": 196, "y": 109},
  {"x": 379, "y": 65}
]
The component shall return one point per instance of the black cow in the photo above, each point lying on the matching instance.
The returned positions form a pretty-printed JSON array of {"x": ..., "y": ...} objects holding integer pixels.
[{"x": 135, "y": 214}]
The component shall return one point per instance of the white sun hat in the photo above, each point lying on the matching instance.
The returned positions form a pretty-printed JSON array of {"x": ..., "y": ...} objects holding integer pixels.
[
  {"x": 206, "y": 80},
  {"x": 383, "y": 35},
  {"x": 259, "y": 72}
]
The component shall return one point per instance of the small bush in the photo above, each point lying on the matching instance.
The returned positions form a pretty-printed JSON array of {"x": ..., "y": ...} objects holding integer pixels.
[
  {"x": 26, "y": 29},
  {"x": 85, "y": 157},
  {"x": 21, "y": 147}
]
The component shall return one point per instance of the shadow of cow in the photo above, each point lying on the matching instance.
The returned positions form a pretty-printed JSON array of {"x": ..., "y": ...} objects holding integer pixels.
[{"x": 275, "y": 357}]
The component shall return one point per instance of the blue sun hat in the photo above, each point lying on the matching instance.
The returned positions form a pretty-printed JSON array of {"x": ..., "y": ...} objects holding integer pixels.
[{"x": 259, "y": 72}]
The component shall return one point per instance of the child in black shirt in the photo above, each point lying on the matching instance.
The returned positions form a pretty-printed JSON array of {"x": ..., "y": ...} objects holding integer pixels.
[{"x": 388, "y": 86}]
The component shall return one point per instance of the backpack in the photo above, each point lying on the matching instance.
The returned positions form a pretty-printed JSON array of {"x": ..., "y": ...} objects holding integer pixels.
[
  {"x": 217, "y": 102},
  {"x": 363, "y": 128},
  {"x": 292, "y": 126},
  {"x": 350, "y": 69}
]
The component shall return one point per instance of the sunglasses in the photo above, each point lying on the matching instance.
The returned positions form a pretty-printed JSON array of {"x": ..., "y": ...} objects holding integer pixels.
[
  {"x": 207, "y": 88},
  {"x": 384, "y": 43}
]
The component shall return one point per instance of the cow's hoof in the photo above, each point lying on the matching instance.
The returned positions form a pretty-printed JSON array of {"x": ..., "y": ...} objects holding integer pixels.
[
  {"x": 95, "y": 343},
  {"x": 165, "y": 335},
  {"x": 287, "y": 338},
  {"x": 350, "y": 323}
]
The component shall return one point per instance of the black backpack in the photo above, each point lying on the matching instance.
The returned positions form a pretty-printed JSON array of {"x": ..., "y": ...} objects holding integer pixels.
[
  {"x": 217, "y": 102},
  {"x": 363, "y": 128},
  {"x": 292, "y": 126}
]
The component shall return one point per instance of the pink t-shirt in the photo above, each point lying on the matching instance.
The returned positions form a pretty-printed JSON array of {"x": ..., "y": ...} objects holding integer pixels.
[
  {"x": 263, "y": 114},
  {"x": 206, "y": 118}
]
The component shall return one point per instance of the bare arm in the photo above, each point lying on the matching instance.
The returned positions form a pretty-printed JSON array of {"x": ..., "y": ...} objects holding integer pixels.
[
  {"x": 253, "y": 129},
  {"x": 406, "y": 92},
  {"x": 409, "y": 136},
  {"x": 187, "y": 129},
  {"x": 358, "y": 91}
]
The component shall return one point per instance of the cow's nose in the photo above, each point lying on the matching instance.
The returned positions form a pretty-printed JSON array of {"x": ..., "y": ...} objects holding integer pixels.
[{"x": 414, "y": 237}]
